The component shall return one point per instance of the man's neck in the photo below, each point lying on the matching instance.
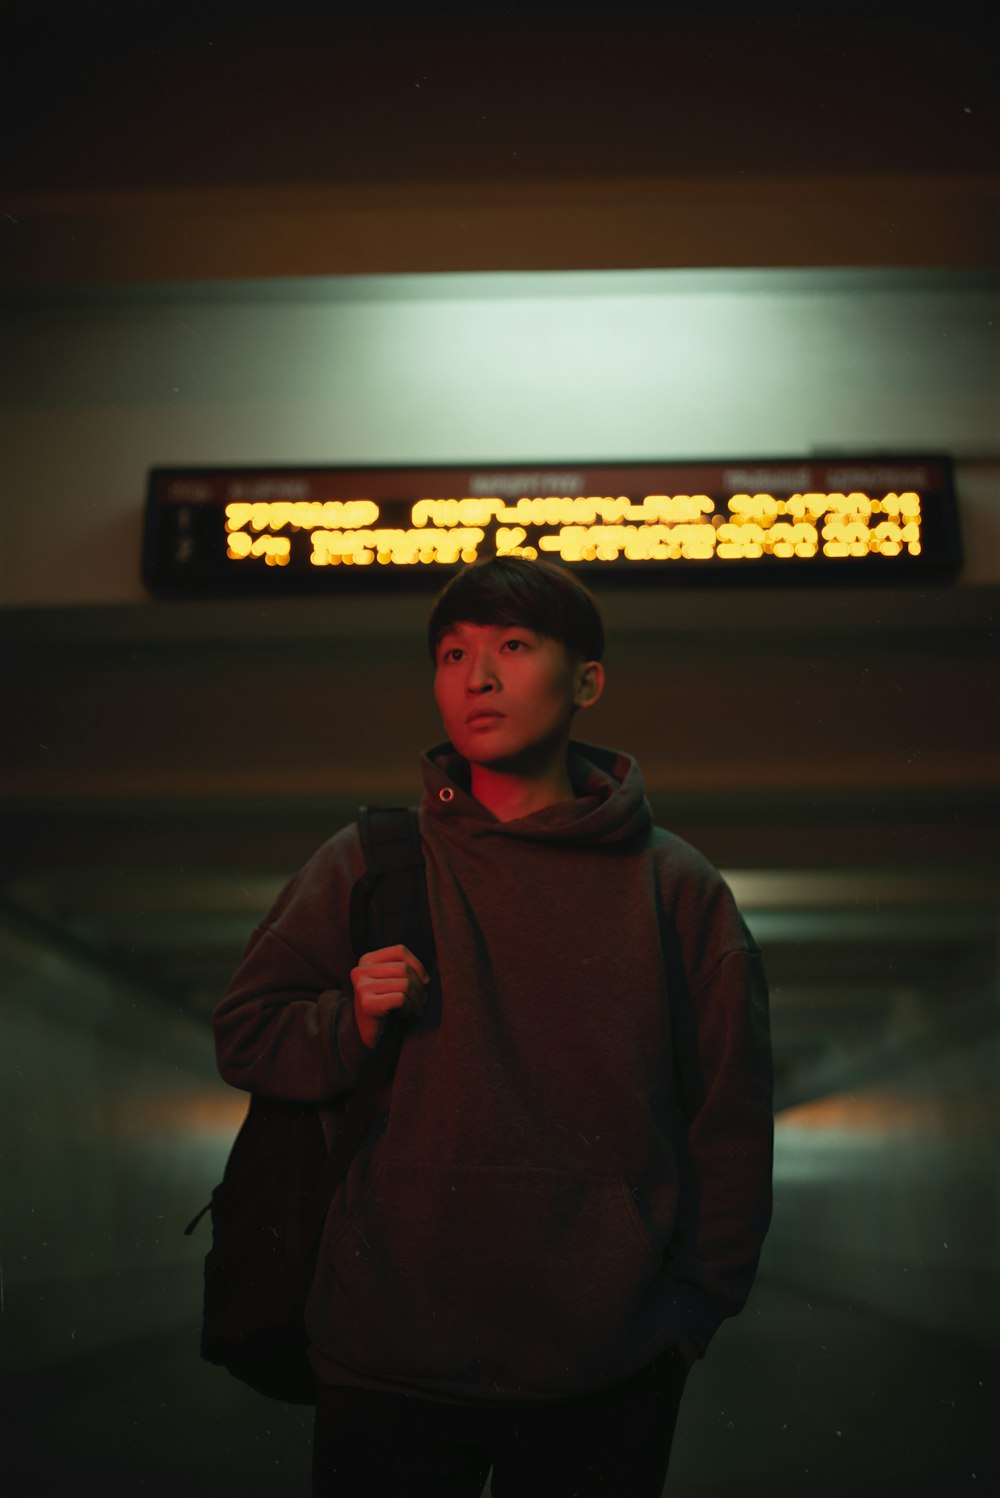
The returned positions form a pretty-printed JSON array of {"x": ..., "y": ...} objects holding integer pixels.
[{"x": 510, "y": 797}]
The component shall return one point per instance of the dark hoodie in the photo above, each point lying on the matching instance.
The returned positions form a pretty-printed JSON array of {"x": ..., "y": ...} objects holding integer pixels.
[{"x": 575, "y": 1170}]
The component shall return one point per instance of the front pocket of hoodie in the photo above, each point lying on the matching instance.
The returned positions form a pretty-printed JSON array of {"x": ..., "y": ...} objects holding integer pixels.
[{"x": 497, "y": 1280}]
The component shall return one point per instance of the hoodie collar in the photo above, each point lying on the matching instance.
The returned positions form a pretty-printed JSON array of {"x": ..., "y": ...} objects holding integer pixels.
[{"x": 609, "y": 805}]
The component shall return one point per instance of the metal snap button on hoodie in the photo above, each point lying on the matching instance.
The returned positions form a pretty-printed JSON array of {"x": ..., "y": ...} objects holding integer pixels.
[{"x": 446, "y": 793}]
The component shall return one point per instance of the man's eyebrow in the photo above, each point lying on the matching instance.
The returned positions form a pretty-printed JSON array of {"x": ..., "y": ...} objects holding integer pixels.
[{"x": 459, "y": 628}]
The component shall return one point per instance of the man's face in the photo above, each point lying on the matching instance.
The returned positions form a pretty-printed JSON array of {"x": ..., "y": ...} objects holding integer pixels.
[{"x": 507, "y": 695}]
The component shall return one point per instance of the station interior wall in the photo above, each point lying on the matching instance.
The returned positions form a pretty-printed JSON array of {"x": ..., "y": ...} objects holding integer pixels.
[
  {"x": 99, "y": 386},
  {"x": 114, "y": 1127}
]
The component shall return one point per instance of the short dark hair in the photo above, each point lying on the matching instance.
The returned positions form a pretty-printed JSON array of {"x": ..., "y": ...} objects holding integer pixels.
[{"x": 513, "y": 590}]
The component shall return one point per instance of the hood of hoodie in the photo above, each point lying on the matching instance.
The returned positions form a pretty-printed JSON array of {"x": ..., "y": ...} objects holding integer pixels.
[{"x": 609, "y": 805}]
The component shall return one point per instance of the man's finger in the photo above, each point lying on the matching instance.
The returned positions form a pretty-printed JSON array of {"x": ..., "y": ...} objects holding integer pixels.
[{"x": 399, "y": 954}]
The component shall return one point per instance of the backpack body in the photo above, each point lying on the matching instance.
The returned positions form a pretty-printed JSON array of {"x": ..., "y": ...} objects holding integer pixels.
[
  {"x": 267, "y": 1218},
  {"x": 268, "y": 1211}
]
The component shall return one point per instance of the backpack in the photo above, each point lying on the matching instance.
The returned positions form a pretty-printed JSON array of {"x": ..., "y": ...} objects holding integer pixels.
[{"x": 268, "y": 1211}]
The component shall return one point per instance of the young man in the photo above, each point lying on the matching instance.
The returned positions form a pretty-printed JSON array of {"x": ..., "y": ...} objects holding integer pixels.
[{"x": 572, "y": 1180}]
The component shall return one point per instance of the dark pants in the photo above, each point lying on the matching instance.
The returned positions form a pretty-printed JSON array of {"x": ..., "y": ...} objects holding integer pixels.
[{"x": 370, "y": 1445}]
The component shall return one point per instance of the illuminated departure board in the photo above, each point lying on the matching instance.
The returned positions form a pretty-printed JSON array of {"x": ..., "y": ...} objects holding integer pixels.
[{"x": 290, "y": 530}]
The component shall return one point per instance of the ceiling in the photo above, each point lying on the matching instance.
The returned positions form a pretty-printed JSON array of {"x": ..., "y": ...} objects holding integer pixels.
[{"x": 168, "y": 96}]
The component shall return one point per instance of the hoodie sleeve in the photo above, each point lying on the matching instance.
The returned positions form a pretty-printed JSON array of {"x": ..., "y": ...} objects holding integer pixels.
[
  {"x": 723, "y": 1088},
  {"x": 285, "y": 1027}
]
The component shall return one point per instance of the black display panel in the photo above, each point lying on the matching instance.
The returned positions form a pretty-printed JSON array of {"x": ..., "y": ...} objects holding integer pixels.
[{"x": 281, "y": 530}]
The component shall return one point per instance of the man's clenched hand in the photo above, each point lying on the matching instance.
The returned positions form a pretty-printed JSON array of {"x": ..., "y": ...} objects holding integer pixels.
[{"x": 387, "y": 979}]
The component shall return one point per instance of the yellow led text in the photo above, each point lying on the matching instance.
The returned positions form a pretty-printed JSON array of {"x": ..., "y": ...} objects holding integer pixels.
[
  {"x": 403, "y": 548},
  {"x": 764, "y": 508},
  {"x": 637, "y": 543},
  {"x": 301, "y": 514},
  {"x": 582, "y": 528},
  {"x": 563, "y": 510},
  {"x": 755, "y": 530},
  {"x": 276, "y": 550}
]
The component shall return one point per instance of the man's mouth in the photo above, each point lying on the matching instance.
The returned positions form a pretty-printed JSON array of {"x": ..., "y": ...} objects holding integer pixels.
[{"x": 483, "y": 715}]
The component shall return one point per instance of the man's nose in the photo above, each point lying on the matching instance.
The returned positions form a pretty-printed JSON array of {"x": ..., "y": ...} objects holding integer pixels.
[{"x": 483, "y": 675}]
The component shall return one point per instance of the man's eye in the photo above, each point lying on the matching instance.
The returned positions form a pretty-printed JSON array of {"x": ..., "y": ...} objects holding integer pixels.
[{"x": 517, "y": 644}]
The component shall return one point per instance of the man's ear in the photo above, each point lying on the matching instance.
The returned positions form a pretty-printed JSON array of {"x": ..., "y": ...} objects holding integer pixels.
[{"x": 589, "y": 683}]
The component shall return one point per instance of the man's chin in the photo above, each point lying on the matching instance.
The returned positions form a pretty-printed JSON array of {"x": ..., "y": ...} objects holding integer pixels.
[{"x": 526, "y": 760}]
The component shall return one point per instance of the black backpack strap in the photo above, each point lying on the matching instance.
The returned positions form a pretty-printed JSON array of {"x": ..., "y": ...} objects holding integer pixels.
[
  {"x": 389, "y": 901},
  {"x": 388, "y": 905}
]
